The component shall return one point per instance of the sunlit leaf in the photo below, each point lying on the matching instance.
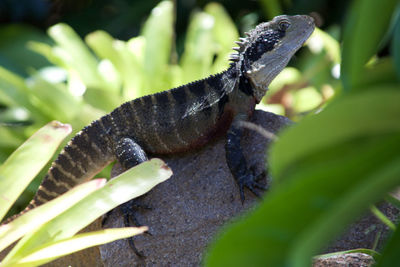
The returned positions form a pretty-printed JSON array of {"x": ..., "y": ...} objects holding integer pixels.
[
  {"x": 49, "y": 252},
  {"x": 130, "y": 184},
  {"x": 199, "y": 48},
  {"x": 158, "y": 33},
  {"x": 346, "y": 118},
  {"x": 362, "y": 36},
  {"x": 14, "y": 178},
  {"x": 31, "y": 220}
]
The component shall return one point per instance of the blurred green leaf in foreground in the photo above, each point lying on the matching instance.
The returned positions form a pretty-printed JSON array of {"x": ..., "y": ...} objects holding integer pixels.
[{"x": 333, "y": 165}]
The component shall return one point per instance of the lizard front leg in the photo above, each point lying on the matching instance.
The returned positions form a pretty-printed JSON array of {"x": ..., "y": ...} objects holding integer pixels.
[
  {"x": 236, "y": 161},
  {"x": 129, "y": 154}
]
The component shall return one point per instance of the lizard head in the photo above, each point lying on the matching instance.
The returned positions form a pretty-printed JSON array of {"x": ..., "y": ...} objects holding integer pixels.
[{"x": 268, "y": 48}]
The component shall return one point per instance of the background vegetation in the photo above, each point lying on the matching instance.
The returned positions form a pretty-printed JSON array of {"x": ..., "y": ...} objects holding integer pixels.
[{"x": 343, "y": 89}]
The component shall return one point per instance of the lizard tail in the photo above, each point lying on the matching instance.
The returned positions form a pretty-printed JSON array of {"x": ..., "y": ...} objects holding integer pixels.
[{"x": 81, "y": 159}]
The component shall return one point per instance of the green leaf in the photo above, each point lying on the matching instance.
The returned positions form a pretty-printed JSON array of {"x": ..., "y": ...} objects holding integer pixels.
[
  {"x": 318, "y": 198},
  {"x": 199, "y": 48},
  {"x": 382, "y": 217},
  {"x": 13, "y": 90},
  {"x": 362, "y": 36},
  {"x": 346, "y": 118},
  {"x": 396, "y": 44},
  {"x": 14, "y": 177},
  {"x": 390, "y": 254},
  {"x": 381, "y": 72},
  {"x": 126, "y": 63},
  {"x": 104, "y": 46},
  {"x": 322, "y": 188},
  {"x": 158, "y": 33},
  {"x": 31, "y": 220},
  {"x": 351, "y": 205},
  {"x": 46, "y": 253},
  {"x": 224, "y": 35},
  {"x": 75, "y": 54},
  {"x": 54, "y": 99},
  {"x": 130, "y": 184}
]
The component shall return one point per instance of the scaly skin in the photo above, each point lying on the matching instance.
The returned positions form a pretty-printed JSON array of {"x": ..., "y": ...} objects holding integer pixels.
[{"x": 186, "y": 117}]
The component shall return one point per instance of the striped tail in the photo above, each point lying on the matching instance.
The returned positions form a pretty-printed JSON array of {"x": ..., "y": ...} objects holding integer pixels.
[{"x": 82, "y": 158}]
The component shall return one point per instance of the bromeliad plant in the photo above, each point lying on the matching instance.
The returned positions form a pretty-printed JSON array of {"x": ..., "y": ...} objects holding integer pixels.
[{"x": 49, "y": 231}]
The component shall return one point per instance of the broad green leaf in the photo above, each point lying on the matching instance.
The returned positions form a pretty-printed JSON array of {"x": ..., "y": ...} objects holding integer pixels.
[
  {"x": 224, "y": 34},
  {"x": 54, "y": 99},
  {"x": 371, "y": 189},
  {"x": 49, "y": 252},
  {"x": 13, "y": 90},
  {"x": 47, "y": 51},
  {"x": 396, "y": 44},
  {"x": 76, "y": 54},
  {"x": 362, "y": 36},
  {"x": 8, "y": 138},
  {"x": 199, "y": 48},
  {"x": 21, "y": 167},
  {"x": 130, "y": 184},
  {"x": 33, "y": 219},
  {"x": 158, "y": 33},
  {"x": 318, "y": 197},
  {"x": 341, "y": 168},
  {"x": 382, "y": 72},
  {"x": 345, "y": 118},
  {"x": 126, "y": 63},
  {"x": 104, "y": 46}
]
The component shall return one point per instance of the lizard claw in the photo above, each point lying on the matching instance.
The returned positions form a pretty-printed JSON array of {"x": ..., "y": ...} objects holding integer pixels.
[
  {"x": 250, "y": 180},
  {"x": 129, "y": 211}
]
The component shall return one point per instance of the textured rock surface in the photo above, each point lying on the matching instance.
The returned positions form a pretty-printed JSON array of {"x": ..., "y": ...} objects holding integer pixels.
[
  {"x": 192, "y": 205},
  {"x": 345, "y": 260}
]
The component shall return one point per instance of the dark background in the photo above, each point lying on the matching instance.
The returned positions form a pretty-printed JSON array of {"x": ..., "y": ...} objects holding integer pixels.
[{"x": 123, "y": 18}]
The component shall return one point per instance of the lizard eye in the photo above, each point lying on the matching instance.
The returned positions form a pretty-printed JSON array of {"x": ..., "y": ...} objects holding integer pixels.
[{"x": 284, "y": 25}]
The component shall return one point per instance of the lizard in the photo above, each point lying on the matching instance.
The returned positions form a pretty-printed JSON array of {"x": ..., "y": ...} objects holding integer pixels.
[{"x": 183, "y": 118}]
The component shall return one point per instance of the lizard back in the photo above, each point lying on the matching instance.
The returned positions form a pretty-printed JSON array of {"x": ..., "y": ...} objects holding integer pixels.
[{"x": 176, "y": 120}]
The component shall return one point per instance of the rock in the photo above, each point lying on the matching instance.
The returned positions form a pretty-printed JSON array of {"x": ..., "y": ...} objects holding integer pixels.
[
  {"x": 190, "y": 207},
  {"x": 345, "y": 260}
]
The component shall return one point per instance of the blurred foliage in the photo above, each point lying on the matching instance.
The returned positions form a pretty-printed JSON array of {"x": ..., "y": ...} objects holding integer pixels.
[
  {"x": 342, "y": 89},
  {"x": 48, "y": 232},
  {"x": 332, "y": 166}
]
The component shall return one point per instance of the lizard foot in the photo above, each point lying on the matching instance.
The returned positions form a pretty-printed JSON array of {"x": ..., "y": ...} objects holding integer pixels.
[
  {"x": 129, "y": 211},
  {"x": 251, "y": 181}
]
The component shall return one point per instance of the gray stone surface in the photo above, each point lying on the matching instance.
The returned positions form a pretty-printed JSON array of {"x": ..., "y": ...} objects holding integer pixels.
[
  {"x": 190, "y": 207},
  {"x": 201, "y": 196},
  {"x": 345, "y": 260}
]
